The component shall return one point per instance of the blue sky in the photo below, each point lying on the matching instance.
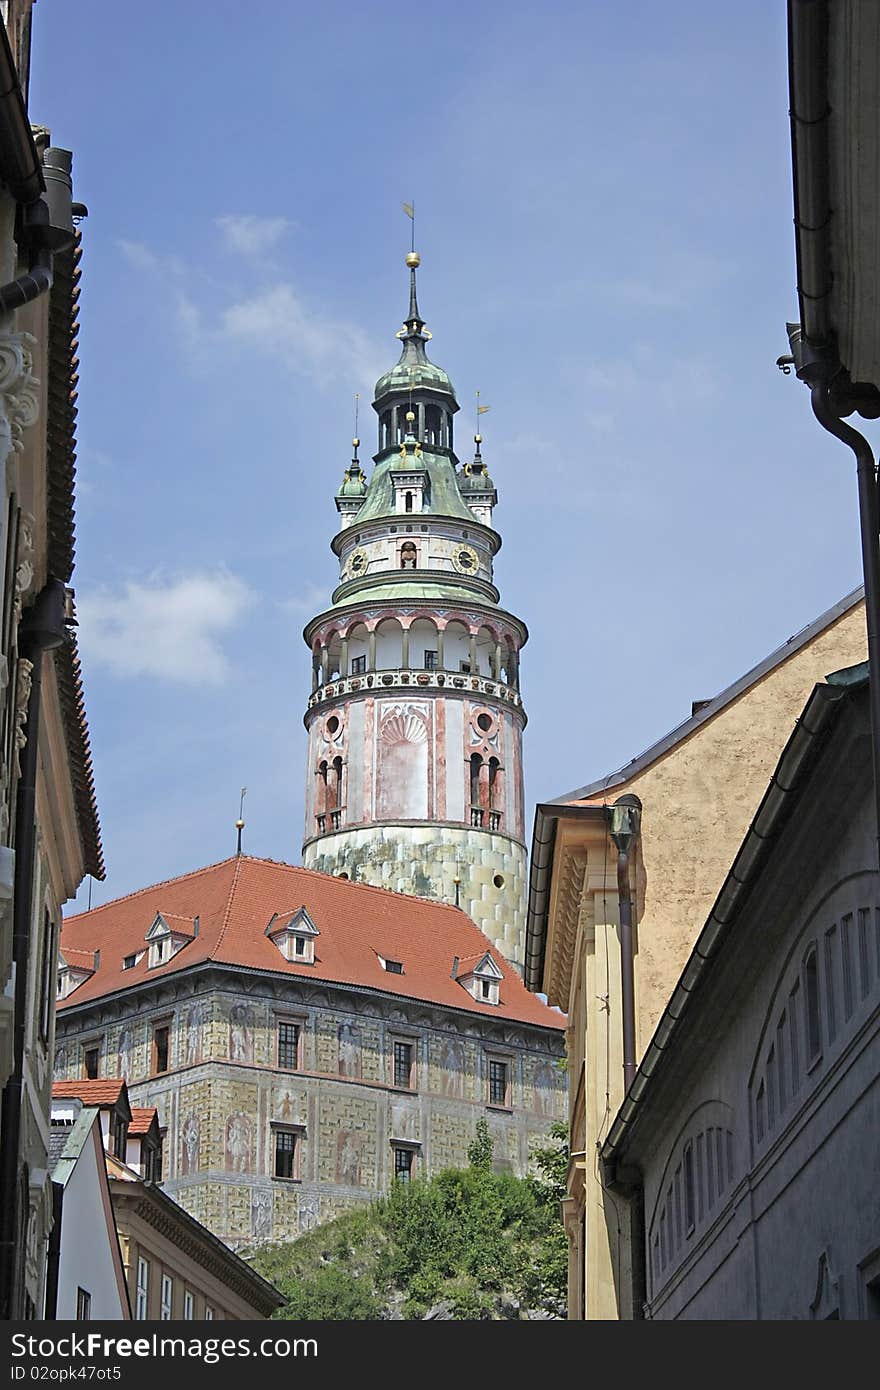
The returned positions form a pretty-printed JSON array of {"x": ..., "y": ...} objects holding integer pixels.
[{"x": 603, "y": 199}]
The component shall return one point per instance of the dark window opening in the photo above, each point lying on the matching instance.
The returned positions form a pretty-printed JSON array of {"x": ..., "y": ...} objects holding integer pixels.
[
  {"x": 408, "y": 502},
  {"x": 288, "y": 1044},
  {"x": 811, "y": 992},
  {"x": 160, "y": 1049},
  {"x": 403, "y": 1162},
  {"x": 358, "y": 665},
  {"x": 83, "y": 1305},
  {"x": 90, "y": 1063},
  {"x": 431, "y": 661},
  {"x": 403, "y": 1065},
  {"x": 394, "y": 967},
  {"x": 497, "y": 1083},
  {"x": 285, "y": 1153}
]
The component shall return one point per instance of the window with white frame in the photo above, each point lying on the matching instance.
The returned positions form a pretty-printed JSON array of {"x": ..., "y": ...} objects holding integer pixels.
[
  {"x": 188, "y": 1305},
  {"x": 167, "y": 1298},
  {"x": 209, "y": 1313},
  {"x": 142, "y": 1293}
]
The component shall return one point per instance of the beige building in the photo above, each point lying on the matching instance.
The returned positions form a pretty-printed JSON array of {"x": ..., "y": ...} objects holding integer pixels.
[
  {"x": 306, "y": 1040},
  {"x": 49, "y": 837},
  {"x": 698, "y": 789},
  {"x": 746, "y": 1147}
]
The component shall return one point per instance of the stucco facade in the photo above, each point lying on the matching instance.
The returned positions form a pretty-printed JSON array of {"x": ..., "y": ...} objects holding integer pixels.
[{"x": 699, "y": 789}]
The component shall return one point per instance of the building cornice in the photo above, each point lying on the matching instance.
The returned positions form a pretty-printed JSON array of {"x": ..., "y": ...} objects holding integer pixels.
[
  {"x": 381, "y": 524},
  {"x": 179, "y": 985}
]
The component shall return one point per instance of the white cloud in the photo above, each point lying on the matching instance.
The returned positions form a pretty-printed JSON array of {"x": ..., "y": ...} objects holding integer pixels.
[
  {"x": 166, "y": 628},
  {"x": 143, "y": 258},
  {"x": 278, "y": 322},
  {"x": 313, "y": 599},
  {"x": 251, "y": 235}
]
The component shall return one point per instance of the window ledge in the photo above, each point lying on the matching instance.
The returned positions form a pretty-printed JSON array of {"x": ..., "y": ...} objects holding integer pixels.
[
  {"x": 502, "y": 1109},
  {"x": 294, "y": 1181}
]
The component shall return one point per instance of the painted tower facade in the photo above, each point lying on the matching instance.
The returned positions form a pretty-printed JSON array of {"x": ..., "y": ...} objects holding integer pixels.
[{"x": 415, "y": 719}]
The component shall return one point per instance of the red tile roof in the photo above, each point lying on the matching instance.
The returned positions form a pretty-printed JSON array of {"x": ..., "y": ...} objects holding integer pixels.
[
  {"x": 142, "y": 1119},
  {"x": 80, "y": 960},
  {"x": 100, "y": 1092},
  {"x": 234, "y": 901}
]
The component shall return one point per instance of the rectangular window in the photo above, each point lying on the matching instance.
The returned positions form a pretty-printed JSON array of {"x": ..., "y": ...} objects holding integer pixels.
[
  {"x": 285, "y": 1153},
  {"x": 498, "y": 1083},
  {"x": 129, "y": 962},
  {"x": 90, "y": 1062},
  {"x": 403, "y": 1067},
  {"x": 430, "y": 661},
  {"x": 167, "y": 1297},
  {"x": 864, "y": 954},
  {"x": 770, "y": 1076},
  {"x": 464, "y": 667},
  {"x": 143, "y": 1289},
  {"x": 760, "y": 1118},
  {"x": 83, "y": 1305},
  {"x": 846, "y": 955},
  {"x": 209, "y": 1313},
  {"x": 48, "y": 973},
  {"x": 700, "y": 1167},
  {"x": 794, "y": 1008},
  {"x": 811, "y": 1000},
  {"x": 690, "y": 1206},
  {"x": 188, "y": 1302},
  {"x": 403, "y": 1164},
  {"x": 830, "y": 984},
  {"x": 358, "y": 665},
  {"x": 120, "y": 1136},
  {"x": 677, "y": 1207},
  {"x": 158, "y": 1157},
  {"x": 288, "y": 1045},
  {"x": 710, "y": 1169},
  {"x": 781, "y": 1087},
  {"x": 160, "y": 1048},
  {"x": 720, "y": 1166},
  {"x": 394, "y": 967}
]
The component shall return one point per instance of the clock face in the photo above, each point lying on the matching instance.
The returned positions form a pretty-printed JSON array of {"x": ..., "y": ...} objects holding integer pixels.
[
  {"x": 466, "y": 559},
  {"x": 357, "y": 563}
]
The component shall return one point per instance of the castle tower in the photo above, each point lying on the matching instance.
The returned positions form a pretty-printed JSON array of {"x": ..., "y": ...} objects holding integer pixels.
[{"x": 415, "y": 719}]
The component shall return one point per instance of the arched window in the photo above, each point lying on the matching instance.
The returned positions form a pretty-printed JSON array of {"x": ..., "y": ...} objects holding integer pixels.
[
  {"x": 408, "y": 550},
  {"x": 476, "y": 808}
]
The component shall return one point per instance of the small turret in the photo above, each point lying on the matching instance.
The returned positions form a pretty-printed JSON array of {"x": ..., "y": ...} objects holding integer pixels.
[
  {"x": 353, "y": 488},
  {"x": 477, "y": 488}
]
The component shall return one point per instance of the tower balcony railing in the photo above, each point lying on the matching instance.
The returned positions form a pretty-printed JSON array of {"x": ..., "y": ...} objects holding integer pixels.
[
  {"x": 415, "y": 678},
  {"x": 329, "y": 820},
  {"x": 481, "y": 819}
]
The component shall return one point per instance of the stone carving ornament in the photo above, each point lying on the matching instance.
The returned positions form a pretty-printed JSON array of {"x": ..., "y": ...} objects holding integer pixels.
[{"x": 19, "y": 402}]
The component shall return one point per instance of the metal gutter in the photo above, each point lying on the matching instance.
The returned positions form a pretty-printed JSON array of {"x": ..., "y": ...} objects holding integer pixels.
[
  {"x": 20, "y": 167},
  {"x": 810, "y": 113},
  {"x": 776, "y": 806}
]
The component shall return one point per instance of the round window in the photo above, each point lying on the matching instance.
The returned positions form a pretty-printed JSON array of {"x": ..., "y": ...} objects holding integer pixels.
[
  {"x": 484, "y": 722},
  {"x": 498, "y": 880},
  {"x": 333, "y": 725}
]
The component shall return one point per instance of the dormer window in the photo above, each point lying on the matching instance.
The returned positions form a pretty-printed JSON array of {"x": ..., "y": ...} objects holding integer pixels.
[
  {"x": 394, "y": 967},
  {"x": 164, "y": 941},
  {"x": 294, "y": 935},
  {"x": 482, "y": 979}
]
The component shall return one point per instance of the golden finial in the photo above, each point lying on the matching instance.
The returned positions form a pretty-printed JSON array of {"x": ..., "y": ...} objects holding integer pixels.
[
  {"x": 413, "y": 259},
  {"x": 355, "y": 443},
  {"x": 478, "y": 439},
  {"x": 410, "y": 415}
]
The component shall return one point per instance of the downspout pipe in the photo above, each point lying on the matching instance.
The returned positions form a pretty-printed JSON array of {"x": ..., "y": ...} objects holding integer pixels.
[
  {"x": 42, "y": 628},
  {"x": 626, "y": 815},
  {"x": 869, "y": 528},
  {"x": 43, "y": 228}
]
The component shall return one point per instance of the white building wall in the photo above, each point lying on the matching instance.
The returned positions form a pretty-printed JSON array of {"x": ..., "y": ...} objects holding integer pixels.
[{"x": 87, "y": 1256}]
